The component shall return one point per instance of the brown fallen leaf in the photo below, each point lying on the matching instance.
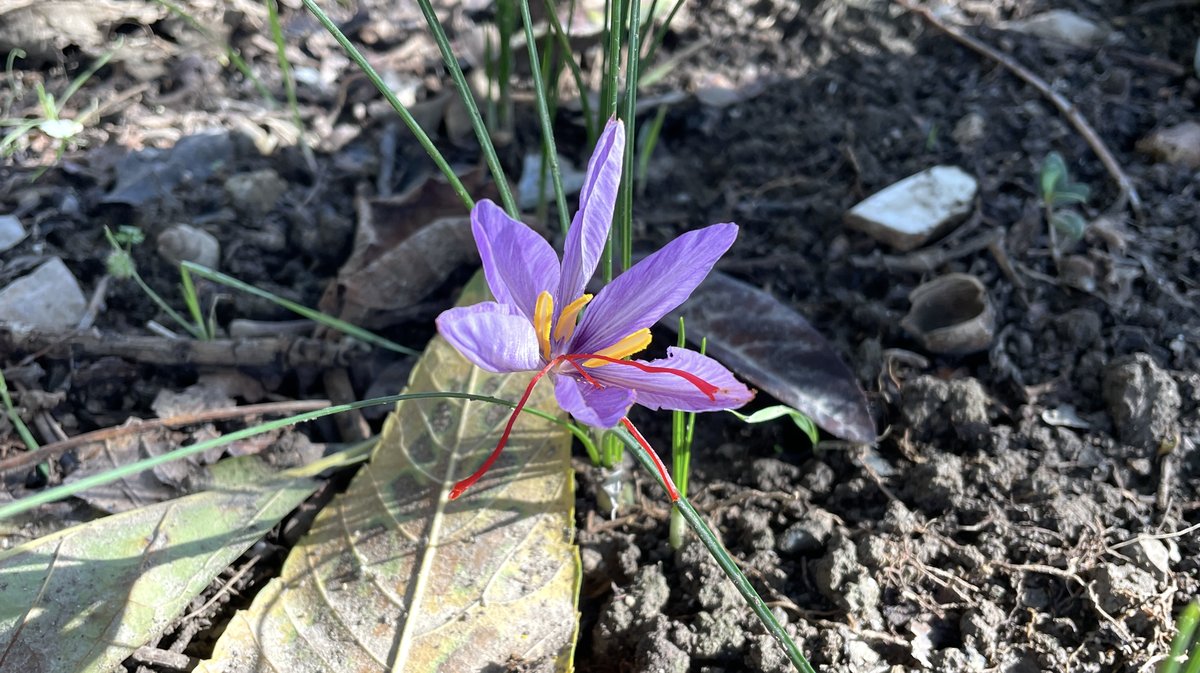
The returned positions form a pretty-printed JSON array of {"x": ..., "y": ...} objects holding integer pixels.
[
  {"x": 778, "y": 351},
  {"x": 405, "y": 247}
]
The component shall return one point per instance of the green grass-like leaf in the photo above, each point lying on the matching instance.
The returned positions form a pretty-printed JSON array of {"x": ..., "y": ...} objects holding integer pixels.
[{"x": 779, "y": 411}]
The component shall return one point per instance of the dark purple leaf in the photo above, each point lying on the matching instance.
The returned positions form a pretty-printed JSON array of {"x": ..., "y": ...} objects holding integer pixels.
[{"x": 775, "y": 348}]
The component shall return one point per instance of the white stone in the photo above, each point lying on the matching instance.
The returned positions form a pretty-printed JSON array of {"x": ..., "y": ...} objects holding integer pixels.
[
  {"x": 918, "y": 208},
  {"x": 1060, "y": 25},
  {"x": 1153, "y": 557},
  {"x": 49, "y": 298},
  {"x": 11, "y": 232}
]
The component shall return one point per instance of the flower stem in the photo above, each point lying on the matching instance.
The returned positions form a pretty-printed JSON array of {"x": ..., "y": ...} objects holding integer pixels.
[{"x": 649, "y": 460}]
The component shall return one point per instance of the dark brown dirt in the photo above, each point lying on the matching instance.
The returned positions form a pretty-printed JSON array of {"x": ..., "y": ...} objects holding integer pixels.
[{"x": 1027, "y": 508}]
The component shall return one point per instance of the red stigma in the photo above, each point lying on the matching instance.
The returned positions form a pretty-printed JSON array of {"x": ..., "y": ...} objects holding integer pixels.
[
  {"x": 672, "y": 492},
  {"x": 703, "y": 386},
  {"x": 463, "y": 485}
]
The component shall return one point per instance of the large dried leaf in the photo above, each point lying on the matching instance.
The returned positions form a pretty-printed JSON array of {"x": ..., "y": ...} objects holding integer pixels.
[
  {"x": 776, "y": 349},
  {"x": 84, "y": 598},
  {"x": 394, "y": 576}
]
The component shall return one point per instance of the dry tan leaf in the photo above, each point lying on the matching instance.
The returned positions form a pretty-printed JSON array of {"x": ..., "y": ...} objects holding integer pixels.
[
  {"x": 394, "y": 576},
  {"x": 82, "y": 599}
]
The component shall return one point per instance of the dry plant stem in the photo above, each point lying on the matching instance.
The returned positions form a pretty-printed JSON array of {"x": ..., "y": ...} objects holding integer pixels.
[
  {"x": 1129, "y": 194},
  {"x": 284, "y": 352},
  {"x": 164, "y": 658},
  {"x": 352, "y": 425},
  {"x": 26, "y": 460}
]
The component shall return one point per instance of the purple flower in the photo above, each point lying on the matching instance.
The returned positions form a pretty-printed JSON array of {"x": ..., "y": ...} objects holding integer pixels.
[{"x": 535, "y": 324}]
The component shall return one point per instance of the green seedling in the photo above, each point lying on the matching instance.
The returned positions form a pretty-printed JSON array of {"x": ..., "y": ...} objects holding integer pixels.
[
  {"x": 120, "y": 265},
  {"x": 646, "y": 144},
  {"x": 51, "y": 123},
  {"x": 188, "y": 268},
  {"x": 1065, "y": 224},
  {"x": 1185, "y": 650},
  {"x": 802, "y": 421},
  {"x": 683, "y": 431},
  {"x": 31, "y": 444}
]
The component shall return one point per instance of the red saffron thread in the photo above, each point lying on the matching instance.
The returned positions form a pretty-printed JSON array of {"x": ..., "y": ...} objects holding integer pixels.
[
  {"x": 701, "y": 385},
  {"x": 487, "y": 464},
  {"x": 672, "y": 492}
]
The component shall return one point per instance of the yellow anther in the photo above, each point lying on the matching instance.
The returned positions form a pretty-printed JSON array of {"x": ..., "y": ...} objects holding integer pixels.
[
  {"x": 543, "y": 313},
  {"x": 634, "y": 343},
  {"x": 566, "y": 322}
]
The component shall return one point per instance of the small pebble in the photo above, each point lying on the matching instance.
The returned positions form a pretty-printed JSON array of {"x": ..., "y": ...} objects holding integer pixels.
[
  {"x": 1060, "y": 25},
  {"x": 916, "y": 209},
  {"x": 49, "y": 298},
  {"x": 11, "y": 232}
]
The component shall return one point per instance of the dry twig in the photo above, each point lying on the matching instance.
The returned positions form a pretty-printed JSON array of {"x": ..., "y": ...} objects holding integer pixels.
[
  {"x": 31, "y": 458},
  {"x": 1129, "y": 194}
]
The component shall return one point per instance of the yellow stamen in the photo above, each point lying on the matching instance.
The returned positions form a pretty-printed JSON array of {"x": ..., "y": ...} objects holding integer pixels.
[
  {"x": 543, "y": 313},
  {"x": 634, "y": 343},
  {"x": 566, "y": 322}
]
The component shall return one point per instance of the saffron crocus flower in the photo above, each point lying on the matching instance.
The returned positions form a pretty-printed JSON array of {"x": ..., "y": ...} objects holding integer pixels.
[{"x": 538, "y": 322}]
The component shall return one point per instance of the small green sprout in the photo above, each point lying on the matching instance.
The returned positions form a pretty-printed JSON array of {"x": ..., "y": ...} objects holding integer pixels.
[
  {"x": 1184, "y": 648},
  {"x": 31, "y": 444},
  {"x": 51, "y": 122},
  {"x": 121, "y": 265},
  {"x": 647, "y": 141},
  {"x": 1058, "y": 193},
  {"x": 683, "y": 431},
  {"x": 779, "y": 411}
]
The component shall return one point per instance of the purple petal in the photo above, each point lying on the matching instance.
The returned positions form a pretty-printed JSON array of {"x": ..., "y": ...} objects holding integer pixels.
[
  {"x": 589, "y": 229},
  {"x": 652, "y": 288},
  {"x": 669, "y": 391},
  {"x": 597, "y": 407},
  {"x": 518, "y": 263},
  {"x": 496, "y": 337}
]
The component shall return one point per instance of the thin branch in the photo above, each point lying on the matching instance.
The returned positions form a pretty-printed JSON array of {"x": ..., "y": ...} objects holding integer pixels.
[{"x": 1129, "y": 194}]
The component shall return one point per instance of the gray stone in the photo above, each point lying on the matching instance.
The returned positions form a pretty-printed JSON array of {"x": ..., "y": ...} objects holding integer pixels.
[
  {"x": 860, "y": 656},
  {"x": 970, "y": 129},
  {"x": 809, "y": 535},
  {"x": 1179, "y": 144},
  {"x": 1060, "y": 25},
  {"x": 183, "y": 242},
  {"x": 1143, "y": 400},
  {"x": 11, "y": 232},
  {"x": 49, "y": 299},
  {"x": 254, "y": 194},
  {"x": 916, "y": 209},
  {"x": 1153, "y": 557}
]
